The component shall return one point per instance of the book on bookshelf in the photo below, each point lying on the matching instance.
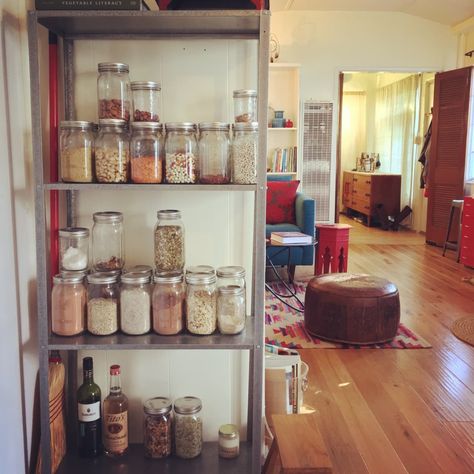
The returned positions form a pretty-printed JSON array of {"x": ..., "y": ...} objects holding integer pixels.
[
  {"x": 291, "y": 238},
  {"x": 282, "y": 160},
  {"x": 95, "y": 5}
]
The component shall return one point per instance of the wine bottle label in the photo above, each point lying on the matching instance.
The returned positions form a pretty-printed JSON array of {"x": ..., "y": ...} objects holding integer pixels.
[
  {"x": 88, "y": 411},
  {"x": 116, "y": 431}
]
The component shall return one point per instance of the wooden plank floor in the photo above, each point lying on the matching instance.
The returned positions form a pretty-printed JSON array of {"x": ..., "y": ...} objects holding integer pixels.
[{"x": 395, "y": 411}]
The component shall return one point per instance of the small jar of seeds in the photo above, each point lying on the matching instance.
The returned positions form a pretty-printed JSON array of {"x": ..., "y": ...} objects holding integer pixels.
[
  {"x": 201, "y": 303},
  {"x": 245, "y": 153},
  {"x": 188, "y": 427},
  {"x": 169, "y": 241},
  {"x": 157, "y": 429},
  {"x": 135, "y": 303},
  {"x": 102, "y": 303}
]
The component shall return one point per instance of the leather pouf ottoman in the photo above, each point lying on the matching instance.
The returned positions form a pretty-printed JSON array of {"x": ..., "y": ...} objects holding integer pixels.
[{"x": 354, "y": 309}]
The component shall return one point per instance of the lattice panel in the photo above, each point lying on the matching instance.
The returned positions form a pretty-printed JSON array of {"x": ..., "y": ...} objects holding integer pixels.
[{"x": 442, "y": 197}]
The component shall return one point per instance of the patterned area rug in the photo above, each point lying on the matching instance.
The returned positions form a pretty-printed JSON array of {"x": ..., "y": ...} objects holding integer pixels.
[{"x": 284, "y": 327}]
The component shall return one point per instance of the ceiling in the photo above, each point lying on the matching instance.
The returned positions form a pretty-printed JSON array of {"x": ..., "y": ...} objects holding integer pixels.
[{"x": 447, "y": 12}]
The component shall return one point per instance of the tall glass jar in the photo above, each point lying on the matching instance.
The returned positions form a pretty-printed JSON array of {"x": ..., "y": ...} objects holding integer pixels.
[
  {"x": 146, "y": 101},
  {"x": 168, "y": 303},
  {"x": 112, "y": 151},
  {"x": 135, "y": 303},
  {"x": 231, "y": 275},
  {"x": 182, "y": 161},
  {"x": 157, "y": 428},
  {"x": 214, "y": 153},
  {"x": 68, "y": 304},
  {"x": 188, "y": 427},
  {"x": 146, "y": 149},
  {"x": 73, "y": 248},
  {"x": 231, "y": 309},
  {"x": 107, "y": 241},
  {"x": 113, "y": 91},
  {"x": 245, "y": 105},
  {"x": 245, "y": 153},
  {"x": 201, "y": 305},
  {"x": 102, "y": 304},
  {"x": 76, "y": 151},
  {"x": 169, "y": 241}
]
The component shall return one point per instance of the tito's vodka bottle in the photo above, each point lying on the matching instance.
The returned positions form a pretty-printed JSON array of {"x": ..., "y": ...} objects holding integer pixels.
[{"x": 115, "y": 417}]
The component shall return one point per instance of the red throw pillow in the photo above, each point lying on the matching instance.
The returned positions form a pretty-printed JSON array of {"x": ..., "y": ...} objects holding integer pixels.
[{"x": 281, "y": 197}]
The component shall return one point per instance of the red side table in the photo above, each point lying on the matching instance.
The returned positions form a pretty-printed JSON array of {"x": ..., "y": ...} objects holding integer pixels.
[{"x": 332, "y": 251}]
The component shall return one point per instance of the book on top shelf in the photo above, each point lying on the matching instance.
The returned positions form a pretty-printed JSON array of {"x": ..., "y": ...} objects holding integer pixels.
[
  {"x": 291, "y": 238},
  {"x": 96, "y": 5}
]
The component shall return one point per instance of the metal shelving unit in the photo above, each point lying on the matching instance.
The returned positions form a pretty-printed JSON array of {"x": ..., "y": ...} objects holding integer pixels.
[{"x": 73, "y": 25}]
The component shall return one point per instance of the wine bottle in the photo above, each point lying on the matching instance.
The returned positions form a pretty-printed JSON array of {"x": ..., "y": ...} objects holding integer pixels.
[
  {"x": 88, "y": 412},
  {"x": 115, "y": 417}
]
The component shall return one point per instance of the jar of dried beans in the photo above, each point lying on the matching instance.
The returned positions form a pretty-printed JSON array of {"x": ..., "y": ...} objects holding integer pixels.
[
  {"x": 231, "y": 309},
  {"x": 102, "y": 303},
  {"x": 214, "y": 153},
  {"x": 201, "y": 303},
  {"x": 188, "y": 427},
  {"x": 157, "y": 432},
  {"x": 73, "y": 248},
  {"x": 245, "y": 105},
  {"x": 107, "y": 241},
  {"x": 168, "y": 303},
  {"x": 146, "y": 149},
  {"x": 112, "y": 151},
  {"x": 245, "y": 153},
  {"x": 135, "y": 303},
  {"x": 113, "y": 91},
  {"x": 146, "y": 101},
  {"x": 181, "y": 162},
  {"x": 76, "y": 151},
  {"x": 169, "y": 241}
]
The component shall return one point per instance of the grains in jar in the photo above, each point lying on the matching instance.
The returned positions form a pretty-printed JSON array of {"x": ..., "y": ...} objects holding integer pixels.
[
  {"x": 102, "y": 304},
  {"x": 135, "y": 303},
  {"x": 245, "y": 153},
  {"x": 157, "y": 436},
  {"x": 188, "y": 427},
  {"x": 169, "y": 241},
  {"x": 201, "y": 303},
  {"x": 231, "y": 309}
]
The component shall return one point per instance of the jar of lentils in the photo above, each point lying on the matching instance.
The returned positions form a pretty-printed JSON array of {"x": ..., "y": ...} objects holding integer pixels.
[
  {"x": 201, "y": 303},
  {"x": 214, "y": 153},
  {"x": 73, "y": 248},
  {"x": 76, "y": 151},
  {"x": 107, "y": 241},
  {"x": 188, "y": 427},
  {"x": 113, "y": 91},
  {"x": 169, "y": 241},
  {"x": 146, "y": 149},
  {"x": 230, "y": 309},
  {"x": 102, "y": 303},
  {"x": 112, "y": 151},
  {"x": 135, "y": 304},
  {"x": 245, "y": 105},
  {"x": 181, "y": 162},
  {"x": 245, "y": 153},
  {"x": 146, "y": 101},
  {"x": 157, "y": 429}
]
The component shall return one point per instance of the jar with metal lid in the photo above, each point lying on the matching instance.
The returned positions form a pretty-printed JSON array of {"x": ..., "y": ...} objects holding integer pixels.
[
  {"x": 73, "y": 248},
  {"x": 245, "y": 105},
  {"x": 169, "y": 241},
  {"x": 113, "y": 91},
  {"x": 146, "y": 101},
  {"x": 245, "y": 153},
  {"x": 135, "y": 303},
  {"x": 231, "y": 275},
  {"x": 157, "y": 427},
  {"x": 181, "y": 162},
  {"x": 102, "y": 304},
  {"x": 214, "y": 153},
  {"x": 143, "y": 269},
  {"x": 146, "y": 150},
  {"x": 76, "y": 151},
  {"x": 112, "y": 151},
  {"x": 68, "y": 304},
  {"x": 168, "y": 303},
  {"x": 230, "y": 309},
  {"x": 229, "y": 441},
  {"x": 107, "y": 241},
  {"x": 188, "y": 427},
  {"x": 201, "y": 303},
  {"x": 201, "y": 269}
]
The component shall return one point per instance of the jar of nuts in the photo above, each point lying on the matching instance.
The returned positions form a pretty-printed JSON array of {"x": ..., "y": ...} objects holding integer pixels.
[
  {"x": 214, "y": 153},
  {"x": 245, "y": 153},
  {"x": 245, "y": 105},
  {"x": 113, "y": 91},
  {"x": 188, "y": 427},
  {"x": 146, "y": 101},
  {"x": 169, "y": 241},
  {"x": 107, "y": 241},
  {"x": 146, "y": 148},
  {"x": 112, "y": 151},
  {"x": 157, "y": 434},
  {"x": 201, "y": 303}
]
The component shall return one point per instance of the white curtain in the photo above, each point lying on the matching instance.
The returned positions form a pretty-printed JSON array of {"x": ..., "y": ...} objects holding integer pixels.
[{"x": 395, "y": 130}]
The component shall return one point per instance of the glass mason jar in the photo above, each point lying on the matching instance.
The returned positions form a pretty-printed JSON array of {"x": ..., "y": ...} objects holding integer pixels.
[
  {"x": 201, "y": 303},
  {"x": 168, "y": 303},
  {"x": 107, "y": 241},
  {"x": 135, "y": 303},
  {"x": 229, "y": 441},
  {"x": 102, "y": 303},
  {"x": 112, "y": 151},
  {"x": 230, "y": 309},
  {"x": 245, "y": 153},
  {"x": 231, "y": 275},
  {"x": 146, "y": 150},
  {"x": 68, "y": 304},
  {"x": 76, "y": 151},
  {"x": 169, "y": 241},
  {"x": 182, "y": 161},
  {"x": 73, "y": 248},
  {"x": 146, "y": 101},
  {"x": 214, "y": 153},
  {"x": 245, "y": 105},
  {"x": 188, "y": 427},
  {"x": 157, "y": 427},
  {"x": 113, "y": 91}
]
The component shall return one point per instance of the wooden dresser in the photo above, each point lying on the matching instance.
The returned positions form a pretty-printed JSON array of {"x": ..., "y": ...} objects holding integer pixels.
[
  {"x": 467, "y": 232},
  {"x": 361, "y": 192}
]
